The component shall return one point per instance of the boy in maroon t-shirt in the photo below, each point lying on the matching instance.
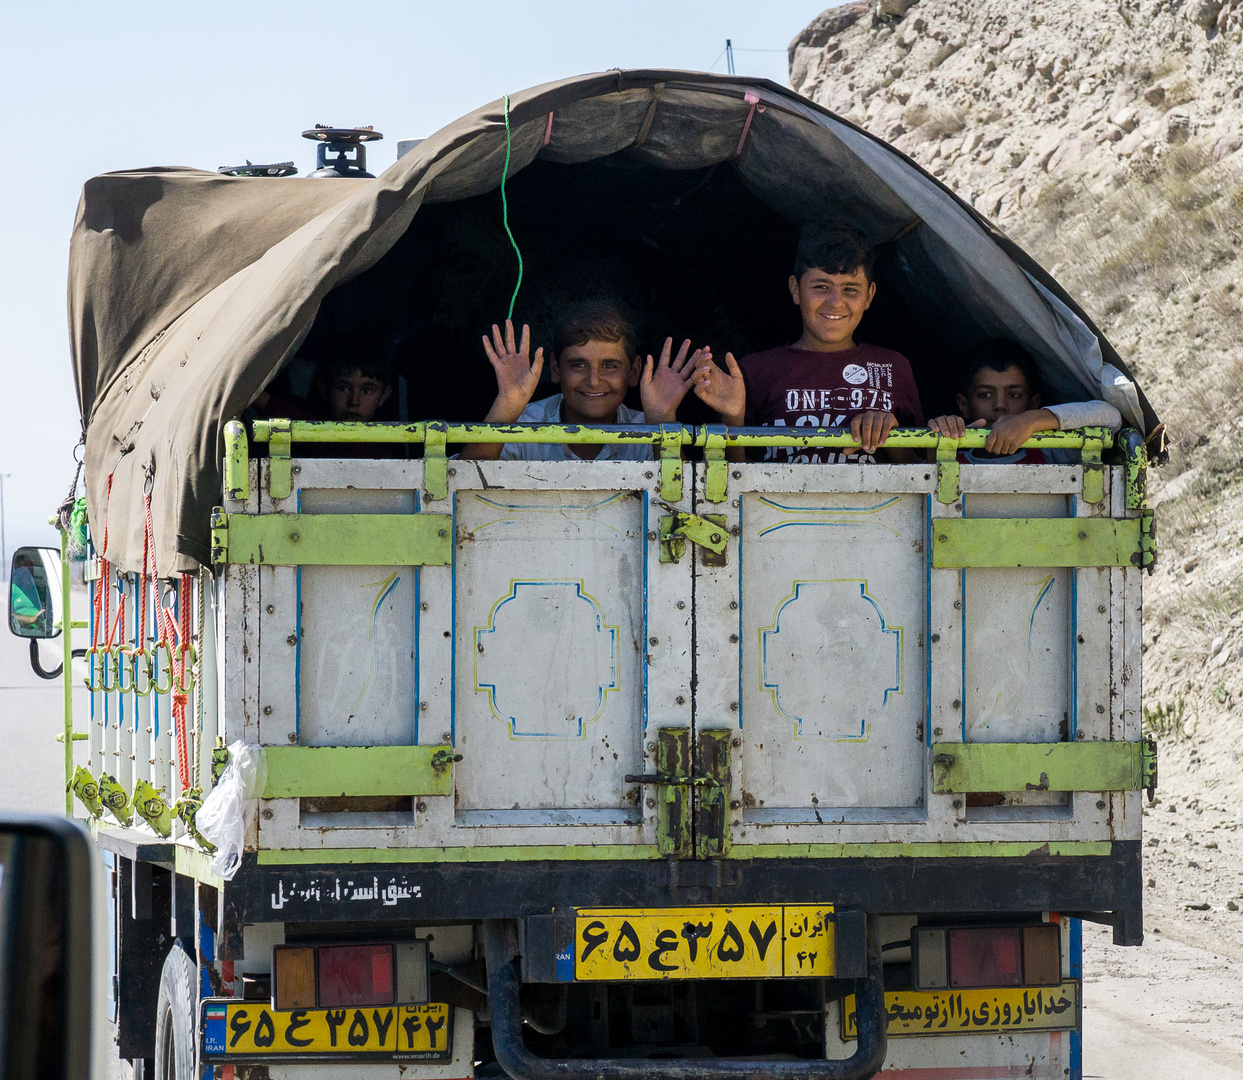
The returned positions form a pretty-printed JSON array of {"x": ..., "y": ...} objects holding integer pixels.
[{"x": 824, "y": 379}]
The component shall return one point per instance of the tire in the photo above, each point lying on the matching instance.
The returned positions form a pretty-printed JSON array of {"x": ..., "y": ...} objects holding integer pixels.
[{"x": 174, "y": 1018}]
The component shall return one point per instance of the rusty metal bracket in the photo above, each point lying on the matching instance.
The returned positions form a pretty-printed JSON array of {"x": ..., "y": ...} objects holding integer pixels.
[
  {"x": 672, "y": 781},
  {"x": 280, "y": 455},
  {"x": 712, "y": 763},
  {"x": 709, "y": 531}
]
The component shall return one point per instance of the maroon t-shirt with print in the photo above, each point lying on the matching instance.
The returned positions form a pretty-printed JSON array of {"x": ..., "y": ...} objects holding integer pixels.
[{"x": 789, "y": 387}]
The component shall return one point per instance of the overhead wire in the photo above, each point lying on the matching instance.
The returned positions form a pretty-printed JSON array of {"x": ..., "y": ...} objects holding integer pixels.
[{"x": 505, "y": 209}]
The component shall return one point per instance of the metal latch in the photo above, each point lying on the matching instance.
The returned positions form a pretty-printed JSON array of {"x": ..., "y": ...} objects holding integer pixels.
[
  {"x": 692, "y": 815},
  {"x": 708, "y": 531}
]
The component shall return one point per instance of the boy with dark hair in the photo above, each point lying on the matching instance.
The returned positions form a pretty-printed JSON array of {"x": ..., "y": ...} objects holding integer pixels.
[
  {"x": 349, "y": 388},
  {"x": 594, "y": 362},
  {"x": 1001, "y": 392},
  {"x": 825, "y": 379}
]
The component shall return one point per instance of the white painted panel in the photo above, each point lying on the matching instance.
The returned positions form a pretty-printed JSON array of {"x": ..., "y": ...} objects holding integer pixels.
[
  {"x": 549, "y": 633},
  {"x": 833, "y": 614},
  {"x": 1016, "y": 637},
  {"x": 356, "y": 637}
]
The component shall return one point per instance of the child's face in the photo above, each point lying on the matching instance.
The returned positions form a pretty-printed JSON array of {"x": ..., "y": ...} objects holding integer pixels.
[
  {"x": 994, "y": 394},
  {"x": 831, "y": 306},
  {"x": 594, "y": 378},
  {"x": 355, "y": 396}
]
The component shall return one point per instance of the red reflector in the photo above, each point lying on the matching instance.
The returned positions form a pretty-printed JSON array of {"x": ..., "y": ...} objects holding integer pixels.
[
  {"x": 352, "y": 975},
  {"x": 985, "y": 956}
]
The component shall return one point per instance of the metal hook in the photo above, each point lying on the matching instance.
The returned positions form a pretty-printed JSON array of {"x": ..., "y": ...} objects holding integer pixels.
[
  {"x": 163, "y": 688},
  {"x": 91, "y": 654},
  {"x": 187, "y": 668},
  {"x": 118, "y": 651},
  {"x": 146, "y": 657}
]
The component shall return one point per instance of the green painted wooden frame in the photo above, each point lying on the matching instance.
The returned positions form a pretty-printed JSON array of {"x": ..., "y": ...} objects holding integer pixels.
[
  {"x": 966, "y": 542},
  {"x": 1077, "y": 766},
  {"x": 327, "y": 771},
  {"x": 332, "y": 539}
]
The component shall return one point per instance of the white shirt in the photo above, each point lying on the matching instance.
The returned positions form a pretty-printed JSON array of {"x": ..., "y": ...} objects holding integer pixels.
[{"x": 548, "y": 411}]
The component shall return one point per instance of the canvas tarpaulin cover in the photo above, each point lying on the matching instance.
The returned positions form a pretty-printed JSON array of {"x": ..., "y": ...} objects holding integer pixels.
[{"x": 188, "y": 290}]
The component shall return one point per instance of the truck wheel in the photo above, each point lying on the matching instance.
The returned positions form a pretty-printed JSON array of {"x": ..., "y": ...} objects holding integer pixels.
[{"x": 174, "y": 1018}]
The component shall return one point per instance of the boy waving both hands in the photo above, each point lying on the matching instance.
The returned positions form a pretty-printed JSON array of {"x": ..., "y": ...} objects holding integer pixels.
[{"x": 595, "y": 362}]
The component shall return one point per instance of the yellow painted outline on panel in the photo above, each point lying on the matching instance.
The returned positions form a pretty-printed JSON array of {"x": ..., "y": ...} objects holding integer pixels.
[
  {"x": 490, "y": 688},
  {"x": 545, "y": 510},
  {"x": 886, "y": 627},
  {"x": 386, "y": 586},
  {"x": 848, "y": 515}
]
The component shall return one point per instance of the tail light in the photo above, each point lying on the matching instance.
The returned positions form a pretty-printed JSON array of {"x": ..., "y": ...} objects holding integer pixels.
[
  {"x": 352, "y": 975},
  {"x": 293, "y": 977},
  {"x": 987, "y": 956},
  {"x": 1042, "y": 955},
  {"x": 348, "y": 976}
]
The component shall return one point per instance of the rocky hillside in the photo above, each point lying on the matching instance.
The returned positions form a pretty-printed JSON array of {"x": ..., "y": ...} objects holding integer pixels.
[{"x": 1106, "y": 137}]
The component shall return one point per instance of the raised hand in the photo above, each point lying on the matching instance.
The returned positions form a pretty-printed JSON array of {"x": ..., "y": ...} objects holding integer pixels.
[
  {"x": 722, "y": 390},
  {"x": 516, "y": 376},
  {"x": 664, "y": 382}
]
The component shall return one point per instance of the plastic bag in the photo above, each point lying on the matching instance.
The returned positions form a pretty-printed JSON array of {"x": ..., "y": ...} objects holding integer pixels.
[{"x": 230, "y": 807}]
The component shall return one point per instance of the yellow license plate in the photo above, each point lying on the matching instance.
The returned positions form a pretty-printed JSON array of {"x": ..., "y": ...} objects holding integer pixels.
[
  {"x": 966, "y": 1012},
  {"x": 705, "y": 943},
  {"x": 234, "y": 1029}
]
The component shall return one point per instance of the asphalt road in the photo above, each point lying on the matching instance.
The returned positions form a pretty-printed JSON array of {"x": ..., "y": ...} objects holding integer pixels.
[{"x": 1166, "y": 1010}]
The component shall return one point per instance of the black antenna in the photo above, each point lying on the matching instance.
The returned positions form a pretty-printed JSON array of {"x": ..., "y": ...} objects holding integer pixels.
[{"x": 729, "y": 55}]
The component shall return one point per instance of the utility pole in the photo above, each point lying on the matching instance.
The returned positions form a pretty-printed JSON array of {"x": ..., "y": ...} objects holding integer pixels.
[{"x": 729, "y": 55}]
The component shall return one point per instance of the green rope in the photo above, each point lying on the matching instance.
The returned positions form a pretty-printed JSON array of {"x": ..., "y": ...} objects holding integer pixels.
[{"x": 505, "y": 210}]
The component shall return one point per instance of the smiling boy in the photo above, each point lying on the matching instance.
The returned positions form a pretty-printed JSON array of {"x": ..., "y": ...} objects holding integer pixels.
[
  {"x": 826, "y": 378},
  {"x": 1000, "y": 394},
  {"x": 594, "y": 362}
]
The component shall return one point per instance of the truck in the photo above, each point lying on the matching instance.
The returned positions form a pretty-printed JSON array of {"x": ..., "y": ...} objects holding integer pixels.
[{"x": 688, "y": 767}]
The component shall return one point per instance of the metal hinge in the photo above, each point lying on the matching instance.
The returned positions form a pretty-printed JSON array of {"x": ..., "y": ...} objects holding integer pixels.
[
  {"x": 1147, "y": 541},
  {"x": 219, "y": 536},
  {"x": 712, "y": 798},
  {"x": 1148, "y": 767}
]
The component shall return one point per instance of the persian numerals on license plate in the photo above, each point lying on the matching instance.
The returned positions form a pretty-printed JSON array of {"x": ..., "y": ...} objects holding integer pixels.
[
  {"x": 238, "y": 1029},
  {"x": 705, "y": 943},
  {"x": 963, "y": 1012}
]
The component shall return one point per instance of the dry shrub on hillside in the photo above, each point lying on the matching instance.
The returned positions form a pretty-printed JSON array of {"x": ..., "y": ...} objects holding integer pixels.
[
  {"x": 1178, "y": 219},
  {"x": 930, "y": 124}
]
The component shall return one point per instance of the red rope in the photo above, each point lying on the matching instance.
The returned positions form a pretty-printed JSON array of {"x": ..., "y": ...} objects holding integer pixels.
[
  {"x": 103, "y": 593},
  {"x": 174, "y": 638},
  {"x": 180, "y": 698}
]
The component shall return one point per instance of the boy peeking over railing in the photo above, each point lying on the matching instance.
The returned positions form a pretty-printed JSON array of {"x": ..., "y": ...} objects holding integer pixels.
[{"x": 1000, "y": 392}]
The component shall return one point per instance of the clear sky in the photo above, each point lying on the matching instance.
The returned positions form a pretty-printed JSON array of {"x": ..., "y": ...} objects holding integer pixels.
[{"x": 90, "y": 87}]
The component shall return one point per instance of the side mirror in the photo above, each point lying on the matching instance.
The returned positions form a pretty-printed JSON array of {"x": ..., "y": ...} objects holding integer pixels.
[
  {"x": 34, "y": 593},
  {"x": 51, "y": 974}
]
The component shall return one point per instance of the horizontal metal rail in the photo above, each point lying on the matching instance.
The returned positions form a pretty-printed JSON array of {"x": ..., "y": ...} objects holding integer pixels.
[{"x": 328, "y": 431}]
